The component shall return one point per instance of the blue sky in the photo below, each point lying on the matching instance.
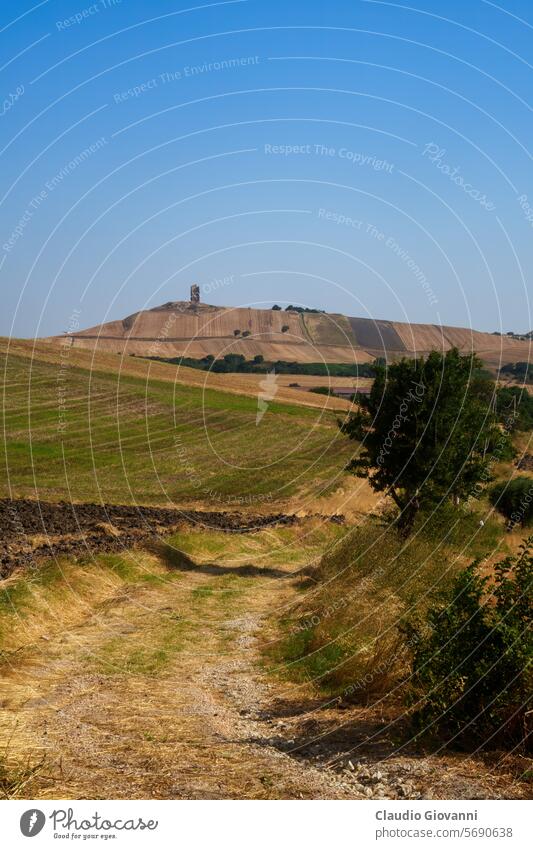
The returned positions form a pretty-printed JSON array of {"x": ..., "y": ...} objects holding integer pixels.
[{"x": 371, "y": 158}]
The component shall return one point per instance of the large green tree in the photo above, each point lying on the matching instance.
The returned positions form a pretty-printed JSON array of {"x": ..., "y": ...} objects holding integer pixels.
[{"x": 427, "y": 430}]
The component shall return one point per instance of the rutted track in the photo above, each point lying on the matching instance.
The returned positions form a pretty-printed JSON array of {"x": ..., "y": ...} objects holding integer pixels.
[{"x": 35, "y": 529}]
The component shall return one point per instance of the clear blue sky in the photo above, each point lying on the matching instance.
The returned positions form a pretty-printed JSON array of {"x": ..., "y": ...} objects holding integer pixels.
[{"x": 370, "y": 158}]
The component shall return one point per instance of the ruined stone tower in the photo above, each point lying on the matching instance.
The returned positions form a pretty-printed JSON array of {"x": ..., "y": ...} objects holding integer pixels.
[{"x": 195, "y": 294}]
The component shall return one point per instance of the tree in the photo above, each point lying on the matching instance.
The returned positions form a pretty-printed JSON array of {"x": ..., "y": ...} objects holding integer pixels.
[
  {"x": 236, "y": 332},
  {"x": 284, "y": 328},
  {"x": 258, "y": 359},
  {"x": 427, "y": 429},
  {"x": 275, "y": 307}
]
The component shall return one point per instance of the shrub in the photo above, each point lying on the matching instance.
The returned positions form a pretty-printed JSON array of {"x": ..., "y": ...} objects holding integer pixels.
[
  {"x": 514, "y": 407},
  {"x": 471, "y": 662},
  {"x": 514, "y": 500},
  {"x": 246, "y": 333},
  {"x": 284, "y": 328}
]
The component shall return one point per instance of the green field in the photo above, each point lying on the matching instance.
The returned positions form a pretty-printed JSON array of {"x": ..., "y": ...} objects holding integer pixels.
[{"x": 78, "y": 434}]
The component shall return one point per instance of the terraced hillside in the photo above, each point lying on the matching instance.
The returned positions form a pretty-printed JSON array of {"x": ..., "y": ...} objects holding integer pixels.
[{"x": 195, "y": 330}]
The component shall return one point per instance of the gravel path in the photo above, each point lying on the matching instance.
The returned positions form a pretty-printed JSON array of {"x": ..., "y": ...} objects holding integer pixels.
[{"x": 161, "y": 692}]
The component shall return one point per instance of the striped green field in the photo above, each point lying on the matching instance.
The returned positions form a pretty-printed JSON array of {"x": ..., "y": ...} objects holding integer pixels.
[{"x": 98, "y": 433}]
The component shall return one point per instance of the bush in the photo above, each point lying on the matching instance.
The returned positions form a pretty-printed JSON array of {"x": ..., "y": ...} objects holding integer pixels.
[
  {"x": 514, "y": 406},
  {"x": 514, "y": 500},
  {"x": 285, "y": 328},
  {"x": 471, "y": 663}
]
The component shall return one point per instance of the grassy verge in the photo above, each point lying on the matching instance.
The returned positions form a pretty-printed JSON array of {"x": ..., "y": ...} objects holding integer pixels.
[{"x": 347, "y": 635}]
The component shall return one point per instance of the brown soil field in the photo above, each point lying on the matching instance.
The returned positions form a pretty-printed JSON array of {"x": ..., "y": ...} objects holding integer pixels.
[{"x": 32, "y": 530}]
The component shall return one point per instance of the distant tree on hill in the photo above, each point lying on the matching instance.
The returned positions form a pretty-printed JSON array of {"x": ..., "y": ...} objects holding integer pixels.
[
  {"x": 236, "y": 332},
  {"x": 275, "y": 307},
  {"x": 246, "y": 333},
  {"x": 520, "y": 371},
  {"x": 284, "y": 328},
  {"x": 292, "y": 308},
  {"x": 427, "y": 430}
]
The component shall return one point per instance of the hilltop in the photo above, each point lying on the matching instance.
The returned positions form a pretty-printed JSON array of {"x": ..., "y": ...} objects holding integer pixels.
[{"x": 191, "y": 329}]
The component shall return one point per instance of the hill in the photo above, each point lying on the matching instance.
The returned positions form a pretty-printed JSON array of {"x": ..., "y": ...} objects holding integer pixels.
[{"x": 183, "y": 328}]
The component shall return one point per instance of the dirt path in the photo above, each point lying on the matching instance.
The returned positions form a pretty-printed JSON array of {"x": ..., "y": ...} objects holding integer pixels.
[
  {"x": 160, "y": 692},
  {"x": 154, "y": 696}
]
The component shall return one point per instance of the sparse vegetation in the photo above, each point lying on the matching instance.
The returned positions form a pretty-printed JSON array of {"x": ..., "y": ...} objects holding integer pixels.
[{"x": 16, "y": 778}]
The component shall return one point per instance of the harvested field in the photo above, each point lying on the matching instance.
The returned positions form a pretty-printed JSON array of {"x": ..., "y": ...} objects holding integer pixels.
[
  {"x": 270, "y": 348},
  {"x": 377, "y": 335},
  {"x": 185, "y": 321},
  {"x": 494, "y": 350},
  {"x": 105, "y": 362},
  {"x": 97, "y": 429},
  {"x": 329, "y": 329}
]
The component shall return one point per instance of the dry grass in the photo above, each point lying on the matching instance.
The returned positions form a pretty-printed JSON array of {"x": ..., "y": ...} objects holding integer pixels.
[
  {"x": 17, "y": 778},
  {"x": 118, "y": 672},
  {"x": 139, "y": 676}
]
